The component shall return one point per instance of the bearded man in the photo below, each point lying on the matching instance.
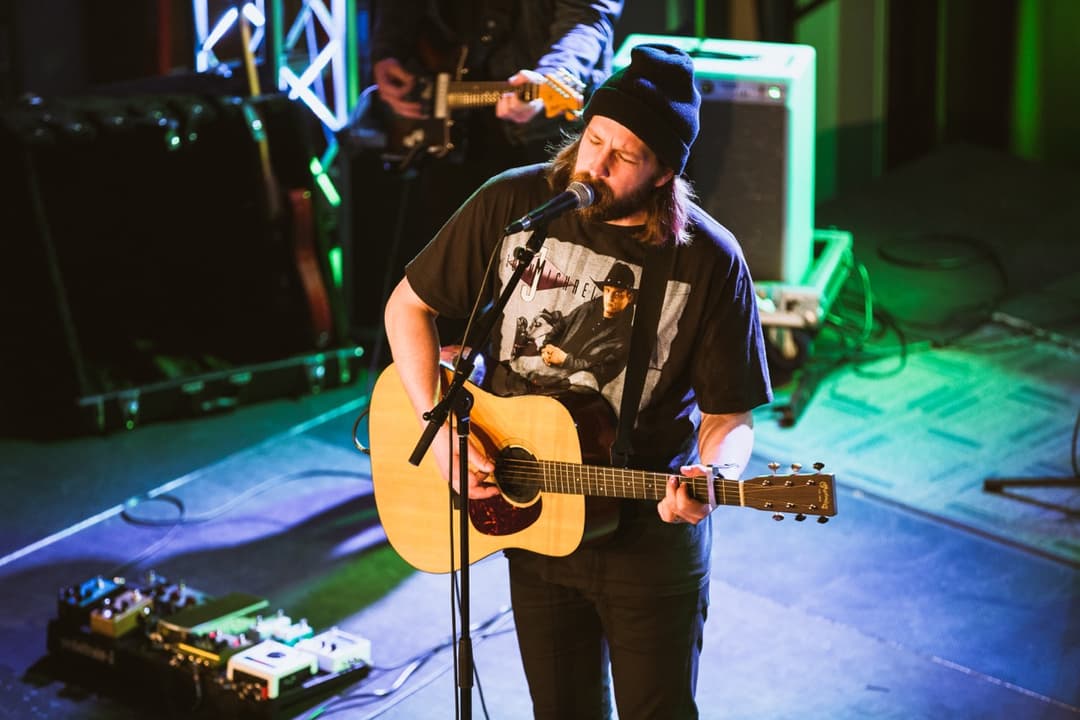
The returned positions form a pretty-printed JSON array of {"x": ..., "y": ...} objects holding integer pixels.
[{"x": 623, "y": 617}]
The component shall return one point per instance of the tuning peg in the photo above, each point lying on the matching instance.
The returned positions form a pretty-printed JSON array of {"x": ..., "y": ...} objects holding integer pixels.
[
  {"x": 822, "y": 519},
  {"x": 796, "y": 467},
  {"x": 819, "y": 466},
  {"x": 774, "y": 466},
  {"x": 800, "y": 517},
  {"x": 777, "y": 516}
]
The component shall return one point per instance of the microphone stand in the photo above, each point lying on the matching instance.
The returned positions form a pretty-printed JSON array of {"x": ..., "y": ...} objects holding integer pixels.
[{"x": 459, "y": 400}]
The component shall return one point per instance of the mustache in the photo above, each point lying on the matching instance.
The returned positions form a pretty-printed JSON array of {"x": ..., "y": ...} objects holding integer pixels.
[{"x": 604, "y": 194}]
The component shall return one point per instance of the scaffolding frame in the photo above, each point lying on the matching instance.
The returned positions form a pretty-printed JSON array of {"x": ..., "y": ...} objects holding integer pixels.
[{"x": 311, "y": 55}]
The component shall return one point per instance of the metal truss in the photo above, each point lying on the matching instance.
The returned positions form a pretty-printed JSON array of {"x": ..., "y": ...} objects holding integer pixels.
[{"x": 313, "y": 60}]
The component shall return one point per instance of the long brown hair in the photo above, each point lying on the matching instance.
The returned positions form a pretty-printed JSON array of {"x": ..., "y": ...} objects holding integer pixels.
[{"x": 667, "y": 210}]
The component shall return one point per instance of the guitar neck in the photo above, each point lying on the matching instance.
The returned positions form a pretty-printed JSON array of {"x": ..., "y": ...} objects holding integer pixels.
[
  {"x": 462, "y": 95},
  {"x": 598, "y": 481},
  {"x": 810, "y": 493}
]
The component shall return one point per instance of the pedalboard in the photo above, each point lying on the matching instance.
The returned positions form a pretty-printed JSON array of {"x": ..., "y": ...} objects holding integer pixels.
[{"x": 217, "y": 654}]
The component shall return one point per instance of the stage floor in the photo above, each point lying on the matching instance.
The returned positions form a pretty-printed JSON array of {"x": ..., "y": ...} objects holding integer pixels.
[{"x": 925, "y": 597}]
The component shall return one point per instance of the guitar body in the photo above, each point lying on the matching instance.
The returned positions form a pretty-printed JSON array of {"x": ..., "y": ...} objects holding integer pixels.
[
  {"x": 416, "y": 137},
  {"x": 414, "y": 502},
  {"x": 438, "y": 61}
]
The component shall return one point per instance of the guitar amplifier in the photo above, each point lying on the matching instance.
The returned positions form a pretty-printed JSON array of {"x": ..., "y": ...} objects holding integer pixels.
[
  {"x": 753, "y": 162},
  {"x": 147, "y": 277}
]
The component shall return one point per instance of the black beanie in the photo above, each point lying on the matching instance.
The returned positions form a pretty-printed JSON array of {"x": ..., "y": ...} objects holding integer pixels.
[{"x": 655, "y": 98}]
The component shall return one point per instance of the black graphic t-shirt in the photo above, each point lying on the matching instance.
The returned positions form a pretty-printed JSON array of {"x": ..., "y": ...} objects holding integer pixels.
[{"x": 568, "y": 325}]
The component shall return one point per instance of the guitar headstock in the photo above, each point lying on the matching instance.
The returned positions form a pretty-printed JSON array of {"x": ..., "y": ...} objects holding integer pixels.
[
  {"x": 562, "y": 93},
  {"x": 799, "y": 493}
]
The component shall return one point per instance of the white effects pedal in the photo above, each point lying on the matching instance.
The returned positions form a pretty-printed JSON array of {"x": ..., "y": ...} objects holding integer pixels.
[
  {"x": 337, "y": 650},
  {"x": 274, "y": 666}
]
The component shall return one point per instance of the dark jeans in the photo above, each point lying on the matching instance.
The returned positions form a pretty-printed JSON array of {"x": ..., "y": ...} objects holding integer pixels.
[{"x": 567, "y": 635}]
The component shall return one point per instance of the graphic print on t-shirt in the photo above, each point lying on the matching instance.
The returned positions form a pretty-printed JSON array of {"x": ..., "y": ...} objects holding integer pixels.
[{"x": 568, "y": 324}]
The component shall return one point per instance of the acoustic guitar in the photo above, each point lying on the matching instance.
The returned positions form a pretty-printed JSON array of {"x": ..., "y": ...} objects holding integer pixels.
[{"x": 556, "y": 491}]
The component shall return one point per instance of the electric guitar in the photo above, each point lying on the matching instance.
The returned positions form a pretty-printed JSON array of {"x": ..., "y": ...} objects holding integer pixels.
[
  {"x": 440, "y": 96},
  {"x": 441, "y": 65},
  {"x": 550, "y": 501}
]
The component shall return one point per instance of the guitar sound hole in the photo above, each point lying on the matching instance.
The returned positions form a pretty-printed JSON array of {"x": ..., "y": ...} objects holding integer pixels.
[{"x": 518, "y": 473}]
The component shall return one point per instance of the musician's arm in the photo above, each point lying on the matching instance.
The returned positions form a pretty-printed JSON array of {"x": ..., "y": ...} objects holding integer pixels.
[
  {"x": 581, "y": 33},
  {"x": 396, "y": 29},
  {"x": 725, "y": 441},
  {"x": 414, "y": 343}
]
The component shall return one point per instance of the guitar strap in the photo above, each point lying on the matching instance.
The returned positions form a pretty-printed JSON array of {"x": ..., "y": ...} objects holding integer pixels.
[{"x": 655, "y": 272}]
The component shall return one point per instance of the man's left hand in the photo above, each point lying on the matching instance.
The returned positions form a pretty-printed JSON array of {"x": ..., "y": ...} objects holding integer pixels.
[
  {"x": 678, "y": 504},
  {"x": 513, "y": 108}
]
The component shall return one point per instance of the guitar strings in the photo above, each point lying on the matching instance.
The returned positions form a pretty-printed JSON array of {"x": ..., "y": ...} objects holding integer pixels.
[
  {"x": 619, "y": 482},
  {"x": 558, "y": 475}
]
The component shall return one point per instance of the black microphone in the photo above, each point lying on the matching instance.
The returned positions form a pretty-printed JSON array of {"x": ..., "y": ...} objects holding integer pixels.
[{"x": 576, "y": 195}]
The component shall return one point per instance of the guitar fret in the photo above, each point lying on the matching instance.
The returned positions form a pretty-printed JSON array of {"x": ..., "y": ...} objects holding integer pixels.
[
  {"x": 475, "y": 99},
  {"x": 599, "y": 481},
  {"x": 480, "y": 94}
]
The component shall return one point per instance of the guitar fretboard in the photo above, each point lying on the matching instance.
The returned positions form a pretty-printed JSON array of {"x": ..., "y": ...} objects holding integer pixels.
[
  {"x": 598, "y": 481},
  {"x": 464, "y": 95}
]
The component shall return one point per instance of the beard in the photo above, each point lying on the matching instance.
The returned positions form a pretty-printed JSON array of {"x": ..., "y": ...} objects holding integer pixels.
[{"x": 607, "y": 207}]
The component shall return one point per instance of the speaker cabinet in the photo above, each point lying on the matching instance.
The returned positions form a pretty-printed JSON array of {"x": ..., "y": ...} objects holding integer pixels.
[
  {"x": 139, "y": 246},
  {"x": 753, "y": 162}
]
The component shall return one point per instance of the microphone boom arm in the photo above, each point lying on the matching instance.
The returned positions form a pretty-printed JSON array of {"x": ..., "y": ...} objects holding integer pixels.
[{"x": 577, "y": 195}]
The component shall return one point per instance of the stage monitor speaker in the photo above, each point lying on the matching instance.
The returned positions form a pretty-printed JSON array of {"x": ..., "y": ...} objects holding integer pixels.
[{"x": 753, "y": 162}]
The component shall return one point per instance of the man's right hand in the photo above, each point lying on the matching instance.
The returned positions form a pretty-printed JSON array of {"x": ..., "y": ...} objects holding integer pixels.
[
  {"x": 414, "y": 343},
  {"x": 395, "y": 83},
  {"x": 480, "y": 481}
]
